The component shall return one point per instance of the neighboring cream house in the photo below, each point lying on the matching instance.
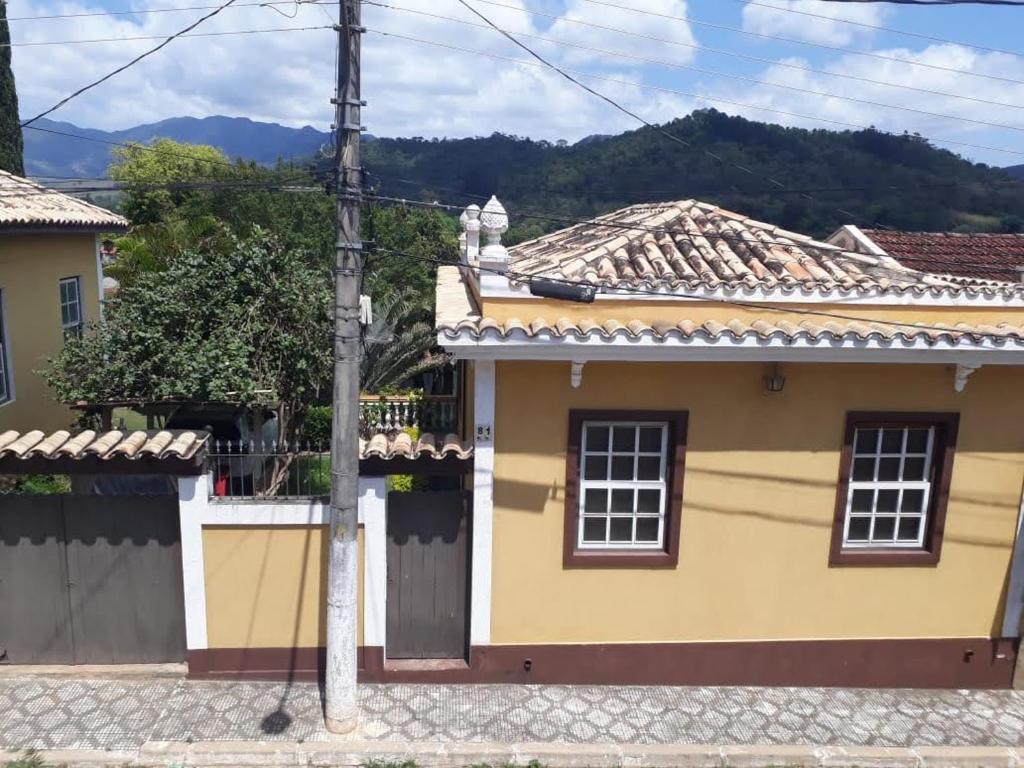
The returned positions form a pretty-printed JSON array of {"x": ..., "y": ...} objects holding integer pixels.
[{"x": 50, "y": 286}]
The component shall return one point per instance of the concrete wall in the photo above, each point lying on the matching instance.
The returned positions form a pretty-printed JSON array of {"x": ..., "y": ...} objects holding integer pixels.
[
  {"x": 758, "y": 502},
  {"x": 31, "y": 266}
]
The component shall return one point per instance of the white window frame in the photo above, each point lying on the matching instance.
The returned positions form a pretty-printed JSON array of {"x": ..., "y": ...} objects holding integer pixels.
[
  {"x": 6, "y": 374},
  {"x": 662, "y": 485},
  {"x": 76, "y": 326},
  {"x": 876, "y": 485}
]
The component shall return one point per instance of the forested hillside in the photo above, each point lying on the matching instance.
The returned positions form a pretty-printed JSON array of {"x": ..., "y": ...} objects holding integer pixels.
[{"x": 830, "y": 178}]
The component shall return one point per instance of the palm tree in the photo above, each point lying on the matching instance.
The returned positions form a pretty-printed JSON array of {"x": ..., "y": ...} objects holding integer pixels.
[{"x": 396, "y": 349}]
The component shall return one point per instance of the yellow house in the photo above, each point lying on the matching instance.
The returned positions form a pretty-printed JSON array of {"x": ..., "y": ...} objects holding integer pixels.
[
  {"x": 709, "y": 450},
  {"x": 50, "y": 285},
  {"x": 695, "y": 449}
]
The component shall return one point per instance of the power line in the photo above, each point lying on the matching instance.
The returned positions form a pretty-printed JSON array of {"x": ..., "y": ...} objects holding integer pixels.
[
  {"x": 702, "y": 70},
  {"x": 748, "y": 57},
  {"x": 797, "y": 41},
  {"x": 880, "y": 28},
  {"x": 661, "y": 294},
  {"x": 146, "y": 11},
  {"x": 690, "y": 94},
  {"x": 131, "y": 63},
  {"x": 227, "y": 33}
]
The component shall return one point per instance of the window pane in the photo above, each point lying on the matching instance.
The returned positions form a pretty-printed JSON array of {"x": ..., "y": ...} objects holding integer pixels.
[
  {"x": 594, "y": 529},
  {"x": 647, "y": 529},
  {"x": 892, "y": 441},
  {"x": 909, "y": 528},
  {"x": 595, "y": 467},
  {"x": 913, "y": 469},
  {"x": 622, "y": 500},
  {"x": 650, "y": 439},
  {"x": 595, "y": 500},
  {"x": 885, "y": 528},
  {"x": 917, "y": 441},
  {"x": 867, "y": 440},
  {"x": 622, "y": 467},
  {"x": 863, "y": 469},
  {"x": 648, "y": 501},
  {"x": 597, "y": 439},
  {"x": 887, "y": 500},
  {"x": 889, "y": 469},
  {"x": 859, "y": 527},
  {"x": 621, "y": 529},
  {"x": 862, "y": 500},
  {"x": 624, "y": 439},
  {"x": 648, "y": 468},
  {"x": 913, "y": 500}
]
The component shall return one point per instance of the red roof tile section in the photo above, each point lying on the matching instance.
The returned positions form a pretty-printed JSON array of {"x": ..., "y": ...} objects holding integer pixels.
[
  {"x": 981, "y": 256},
  {"x": 104, "y": 445},
  {"x": 430, "y": 445}
]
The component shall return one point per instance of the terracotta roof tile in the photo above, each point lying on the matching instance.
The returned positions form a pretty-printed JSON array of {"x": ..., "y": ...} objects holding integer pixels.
[
  {"x": 710, "y": 330},
  {"x": 106, "y": 445},
  {"x": 25, "y": 203},
  {"x": 689, "y": 244},
  {"x": 982, "y": 256},
  {"x": 431, "y": 445}
]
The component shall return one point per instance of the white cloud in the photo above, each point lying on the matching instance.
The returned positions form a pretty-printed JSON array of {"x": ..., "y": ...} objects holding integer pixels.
[
  {"x": 790, "y": 18},
  {"x": 413, "y": 89}
]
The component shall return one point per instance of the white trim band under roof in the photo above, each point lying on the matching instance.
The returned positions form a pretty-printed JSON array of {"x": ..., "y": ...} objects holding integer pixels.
[{"x": 545, "y": 345}]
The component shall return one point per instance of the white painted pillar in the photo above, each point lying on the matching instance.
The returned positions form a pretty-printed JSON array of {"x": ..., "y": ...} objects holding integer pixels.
[
  {"x": 373, "y": 513},
  {"x": 193, "y": 500},
  {"x": 483, "y": 502}
]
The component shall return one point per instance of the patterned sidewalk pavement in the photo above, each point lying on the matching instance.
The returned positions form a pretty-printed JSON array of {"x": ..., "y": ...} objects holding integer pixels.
[{"x": 66, "y": 713}]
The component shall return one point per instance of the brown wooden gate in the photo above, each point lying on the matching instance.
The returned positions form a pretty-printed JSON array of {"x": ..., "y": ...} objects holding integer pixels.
[
  {"x": 90, "y": 580},
  {"x": 427, "y": 575}
]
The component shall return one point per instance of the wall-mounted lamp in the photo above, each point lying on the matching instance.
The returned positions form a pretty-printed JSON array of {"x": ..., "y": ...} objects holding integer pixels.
[{"x": 774, "y": 381}]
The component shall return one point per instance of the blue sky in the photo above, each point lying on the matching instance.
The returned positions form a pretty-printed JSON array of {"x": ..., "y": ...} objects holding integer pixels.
[{"x": 654, "y": 58}]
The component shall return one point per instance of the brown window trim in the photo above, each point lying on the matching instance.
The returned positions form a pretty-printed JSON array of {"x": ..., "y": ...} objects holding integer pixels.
[
  {"x": 676, "y": 461},
  {"x": 947, "y": 426}
]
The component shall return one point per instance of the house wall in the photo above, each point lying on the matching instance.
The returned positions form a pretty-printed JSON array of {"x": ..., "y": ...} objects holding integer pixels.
[
  {"x": 758, "y": 501},
  {"x": 30, "y": 267},
  {"x": 266, "y": 586}
]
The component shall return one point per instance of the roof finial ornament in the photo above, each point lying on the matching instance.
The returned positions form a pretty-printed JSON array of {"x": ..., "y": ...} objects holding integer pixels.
[
  {"x": 494, "y": 222},
  {"x": 470, "y": 237}
]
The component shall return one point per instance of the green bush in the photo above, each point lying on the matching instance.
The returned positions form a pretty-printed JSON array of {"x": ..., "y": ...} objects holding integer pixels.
[
  {"x": 316, "y": 428},
  {"x": 35, "y": 484}
]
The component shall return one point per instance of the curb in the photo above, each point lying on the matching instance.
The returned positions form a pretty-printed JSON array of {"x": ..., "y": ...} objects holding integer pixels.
[{"x": 343, "y": 753}]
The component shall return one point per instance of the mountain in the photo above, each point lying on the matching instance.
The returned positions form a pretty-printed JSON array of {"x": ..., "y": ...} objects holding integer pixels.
[
  {"x": 50, "y": 152},
  {"x": 809, "y": 181},
  {"x": 825, "y": 178},
  {"x": 1017, "y": 171}
]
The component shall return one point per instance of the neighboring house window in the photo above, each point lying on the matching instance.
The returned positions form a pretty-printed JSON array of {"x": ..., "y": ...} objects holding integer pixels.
[
  {"x": 624, "y": 487},
  {"x": 71, "y": 306},
  {"x": 893, "y": 488},
  {"x": 5, "y": 373}
]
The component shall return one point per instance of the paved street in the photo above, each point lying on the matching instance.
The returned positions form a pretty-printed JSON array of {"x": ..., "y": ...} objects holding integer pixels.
[{"x": 49, "y": 713}]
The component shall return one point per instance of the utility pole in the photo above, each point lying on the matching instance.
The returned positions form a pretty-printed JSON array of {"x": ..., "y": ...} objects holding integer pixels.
[{"x": 341, "y": 710}]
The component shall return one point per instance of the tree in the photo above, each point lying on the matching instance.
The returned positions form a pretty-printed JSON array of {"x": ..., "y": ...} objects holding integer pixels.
[
  {"x": 396, "y": 347},
  {"x": 11, "y": 142},
  {"x": 249, "y": 324}
]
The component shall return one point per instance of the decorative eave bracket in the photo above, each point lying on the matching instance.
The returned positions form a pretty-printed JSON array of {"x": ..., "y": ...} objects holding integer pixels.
[
  {"x": 963, "y": 372},
  {"x": 576, "y": 374}
]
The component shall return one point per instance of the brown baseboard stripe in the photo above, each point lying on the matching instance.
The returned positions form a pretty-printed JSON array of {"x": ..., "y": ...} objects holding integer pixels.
[{"x": 926, "y": 663}]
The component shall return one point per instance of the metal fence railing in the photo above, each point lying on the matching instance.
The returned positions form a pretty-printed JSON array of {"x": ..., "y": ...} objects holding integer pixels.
[{"x": 256, "y": 470}]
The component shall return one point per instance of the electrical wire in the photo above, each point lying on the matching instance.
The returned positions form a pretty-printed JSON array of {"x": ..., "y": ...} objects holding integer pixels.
[
  {"x": 123, "y": 67},
  {"x": 743, "y": 56},
  {"x": 703, "y": 70},
  {"x": 797, "y": 41},
  {"x": 880, "y": 28},
  {"x": 759, "y": 306},
  {"x": 133, "y": 38},
  {"x": 690, "y": 94}
]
